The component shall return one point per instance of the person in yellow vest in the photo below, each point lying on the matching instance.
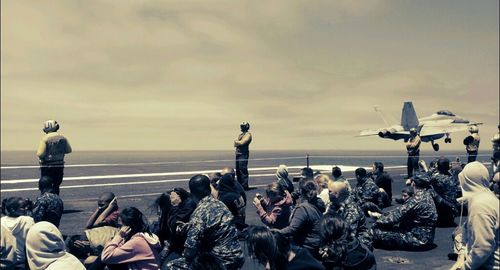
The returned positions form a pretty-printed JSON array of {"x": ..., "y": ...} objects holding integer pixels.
[
  {"x": 413, "y": 149},
  {"x": 242, "y": 144},
  {"x": 471, "y": 143},
  {"x": 51, "y": 151}
]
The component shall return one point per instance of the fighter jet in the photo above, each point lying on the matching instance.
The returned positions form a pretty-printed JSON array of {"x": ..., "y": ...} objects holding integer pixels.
[{"x": 430, "y": 128}]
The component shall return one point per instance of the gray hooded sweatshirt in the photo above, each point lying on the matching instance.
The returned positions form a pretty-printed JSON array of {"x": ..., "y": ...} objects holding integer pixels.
[{"x": 481, "y": 232}]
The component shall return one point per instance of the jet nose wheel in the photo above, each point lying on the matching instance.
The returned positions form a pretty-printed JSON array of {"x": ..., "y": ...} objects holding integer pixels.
[
  {"x": 447, "y": 140},
  {"x": 435, "y": 147}
]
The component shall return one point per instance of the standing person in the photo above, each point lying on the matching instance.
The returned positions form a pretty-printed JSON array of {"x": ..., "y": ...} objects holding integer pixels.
[
  {"x": 242, "y": 153},
  {"x": 51, "y": 151},
  {"x": 413, "y": 149},
  {"x": 481, "y": 231},
  {"x": 472, "y": 144},
  {"x": 210, "y": 230},
  {"x": 48, "y": 206}
]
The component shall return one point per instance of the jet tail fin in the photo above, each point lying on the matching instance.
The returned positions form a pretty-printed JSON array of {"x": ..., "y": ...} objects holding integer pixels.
[{"x": 409, "y": 116}]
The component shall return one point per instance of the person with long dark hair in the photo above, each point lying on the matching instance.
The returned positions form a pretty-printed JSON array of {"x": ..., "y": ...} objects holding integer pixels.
[
  {"x": 274, "y": 211},
  {"x": 134, "y": 245},
  {"x": 303, "y": 227},
  {"x": 339, "y": 249},
  {"x": 274, "y": 251}
]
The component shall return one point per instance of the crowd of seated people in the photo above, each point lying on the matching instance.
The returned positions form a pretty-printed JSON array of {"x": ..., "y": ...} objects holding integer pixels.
[{"x": 317, "y": 222}]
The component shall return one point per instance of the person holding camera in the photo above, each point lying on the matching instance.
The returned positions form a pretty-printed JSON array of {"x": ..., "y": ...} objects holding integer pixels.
[{"x": 275, "y": 210}]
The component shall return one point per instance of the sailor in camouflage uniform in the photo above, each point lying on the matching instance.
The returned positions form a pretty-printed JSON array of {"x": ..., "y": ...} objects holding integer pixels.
[
  {"x": 366, "y": 192},
  {"x": 342, "y": 204},
  {"x": 445, "y": 191},
  {"x": 211, "y": 230},
  {"x": 48, "y": 206},
  {"x": 410, "y": 226}
]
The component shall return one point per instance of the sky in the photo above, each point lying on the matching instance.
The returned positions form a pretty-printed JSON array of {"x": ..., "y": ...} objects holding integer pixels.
[{"x": 182, "y": 75}]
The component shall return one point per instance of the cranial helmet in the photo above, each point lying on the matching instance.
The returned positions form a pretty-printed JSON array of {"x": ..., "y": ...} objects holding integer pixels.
[
  {"x": 245, "y": 125},
  {"x": 50, "y": 126},
  {"x": 473, "y": 129}
]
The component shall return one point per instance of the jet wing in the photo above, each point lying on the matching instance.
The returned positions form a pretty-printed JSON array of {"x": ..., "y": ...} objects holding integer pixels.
[
  {"x": 433, "y": 130},
  {"x": 368, "y": 132}
]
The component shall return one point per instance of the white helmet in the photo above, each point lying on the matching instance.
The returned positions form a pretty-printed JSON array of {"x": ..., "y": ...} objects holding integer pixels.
[
  {"x": 473, "y": 129},
  {"x": 50, "y": 126}
]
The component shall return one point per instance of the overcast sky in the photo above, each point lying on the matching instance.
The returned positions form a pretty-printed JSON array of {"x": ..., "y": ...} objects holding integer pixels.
[{"x": 175, "y": 75}]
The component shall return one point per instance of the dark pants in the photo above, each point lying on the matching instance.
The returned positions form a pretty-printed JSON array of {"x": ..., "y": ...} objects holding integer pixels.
[
  {"x": 471, "y": 156},
  {"x": 400, "y": 240},
  {"x": 412, "y": 164},
  {"x": 242, "y": 169},
  {"x": 55, "y": 173}
]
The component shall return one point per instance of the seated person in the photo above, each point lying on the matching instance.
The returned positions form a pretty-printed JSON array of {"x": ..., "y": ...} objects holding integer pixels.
[
  {"x": 274, "y": 211},
  {"x": 384, "y": 181},
  {"x": 322, "y": 181},
  {"x": 282, "y": 178},
  {"x": 366, "y": 192},
  {"x": 15, "y": 226},
  {"x": 339, "y": 250},
  {"x": 337, "y": 176},
  {"x": 304, "y": 220},
  {"x": 88, "y": 247},
  {"x": 406, "y": 194},
  {"x": 45, "y": 249},
  {"x": 106, "y": 213},
  {"x": 342, "y": 204},
  {"x": 48, "y": 206},
  {"x": 445, "y": 193},
  {"x": 134, "y": 244},
  {"x": 210, "y": 230},
  {"x": 228, "y": 194},
  {"x": 274, "y": 251},
  {"x": 182, "y": 207},
  {"x": 410, "y": 226}
]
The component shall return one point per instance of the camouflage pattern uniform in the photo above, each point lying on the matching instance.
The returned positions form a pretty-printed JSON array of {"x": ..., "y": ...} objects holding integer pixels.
[
  {"x": 444, "y": 193},
  {"x": 48, "y": 207},
  {"x": 410, "y": 226},
  {"x": 211, "y": 229},
  {"x": 354, "y": 218},
  {"x": 368, "y": 195}
]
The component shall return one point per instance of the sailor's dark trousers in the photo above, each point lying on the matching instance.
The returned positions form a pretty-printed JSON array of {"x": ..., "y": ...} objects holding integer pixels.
[{"x": 242, "y": 169}]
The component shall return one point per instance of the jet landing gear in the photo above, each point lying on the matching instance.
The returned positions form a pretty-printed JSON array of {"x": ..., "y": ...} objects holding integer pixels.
[
  {"x": 435, "y": 146},
  {"x": 447, "y": 139}
]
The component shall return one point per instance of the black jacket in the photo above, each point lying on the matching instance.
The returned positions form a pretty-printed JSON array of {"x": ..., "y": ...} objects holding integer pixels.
[{"x": 304, "y": 225}]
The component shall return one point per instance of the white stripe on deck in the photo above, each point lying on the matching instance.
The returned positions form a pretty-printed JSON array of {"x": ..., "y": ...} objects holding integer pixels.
[
  {"x": 118, "y": 184},
  {"x": 114, "y": 176}
]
